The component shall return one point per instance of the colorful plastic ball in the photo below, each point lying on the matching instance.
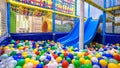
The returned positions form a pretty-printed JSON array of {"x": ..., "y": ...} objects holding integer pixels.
[
  {"x": 45, "y": 67},
  {"x": 21, "y": 62},
  {"x": 48, "y": 57},
  {"x": 103, "y": 63},
  {"x": 80, "y": 55},
  {"x": 112, "y": 65},
  {"x": 39, "y": 66},
  {"x": 55, "y": 56},
  {"x": 58, "y": 59},
  {"x": 87, "y": 62},
  {"x": 73, "y": 61},
  {"x": 96, "y": 66},
  {"x": 82, "y": 60},
  {"x": 98, "y": 55},
  {"x": 65, "y": 64},
  {"x": 71, "y": 66},
  {"x": 18, "y": 67},
  {"x": 29, "y": 65},
  {"x": 65, "y": 54},
  {"x": 68, "y": 59},
  {"x": 113, "y": 61},
  {"x": 27, "y": 60},
  {"x": 94, "y": 59},
  {"x": 46, "y": 61},
  {"x": 76, "y": 63},
  {"x": 42, "y": 57},
  {"x": 70, "y": 56},
  {"x": 88, "y": 66},
  {"x": 61, "y": 55}
]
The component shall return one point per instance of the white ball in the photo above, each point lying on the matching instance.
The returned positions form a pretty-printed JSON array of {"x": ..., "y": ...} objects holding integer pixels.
[{"x": 29, "y": 65}]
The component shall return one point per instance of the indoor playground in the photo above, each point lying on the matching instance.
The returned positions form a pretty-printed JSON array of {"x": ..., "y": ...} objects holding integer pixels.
[{"x": 59, "y": 33}]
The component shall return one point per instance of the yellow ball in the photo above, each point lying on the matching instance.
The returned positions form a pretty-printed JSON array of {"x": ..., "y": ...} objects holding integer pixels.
[
  {"x": 73, "y": 52},
  {"x": 48, "y": 49},
  {"x": 26, "y": 40},
  {"x": 24, "y": 66},
  {"x": 36, "y": 62},
  {"x": 112, "y": 65},
  {"x": 20, "y": 48},
  {"x": 12, "y": 49},
  {"x": 32, "y": 61},
  {"x": 73, "y": 61},
  {"x": 63, "y": 52},
  {"x": 35, "y": 50},
  {"x": 98, "y": 55},
  {"x": 87, "y": 62},
  {"x": 80, "y": 55},
  {"x": 58, "y": 59},
  {"x": 27, "y": 60},
  {"x": 90, "y": 56},
  {"x": 24, "y": 54},
  {"x": 6, "y": 47},
  {"x": 103, "y": 63},
  {"x": 82, "y": 60},
  {"x": 118, "y": 64},
  {"x": 69, "y": 50}
]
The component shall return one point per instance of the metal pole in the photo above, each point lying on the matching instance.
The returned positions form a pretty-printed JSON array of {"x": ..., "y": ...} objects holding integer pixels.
[
  {"x": 113, "y": 24},
  {"x": 88, "y": 10},
  {"x": 81, "y": 25},
  {"x": 104, "y": 24}
]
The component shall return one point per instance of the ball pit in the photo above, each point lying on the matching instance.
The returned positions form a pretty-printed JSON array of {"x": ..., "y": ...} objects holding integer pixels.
[{"x": 48, "y": 54}]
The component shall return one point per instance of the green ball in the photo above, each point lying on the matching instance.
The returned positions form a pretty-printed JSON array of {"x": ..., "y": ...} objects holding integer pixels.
[
  {"x": 77, "y": 58},
  {"x": 87, "y": 66},
  {"x": 76, "y": 63},
  {"x": 19, "y": 45},
  {"x": 29, "y": 56},
  {"x": 18, "y": 67},
  {"x": 59, "y": 66},
  {"x": 61, "y": 55},
  {"x": 69, "y": 60},
  {"x": 12, "y": 41},
  {"x": 75, "y": 54},
  {"x": 21, "y": 62},
  {"x": 82, "y": 66},
  {"x": 86, "y": 58},
  {"x": 42, "y": 63},
  {"x": 37, "y": 58},
  {"x": 13, "y": 53}
]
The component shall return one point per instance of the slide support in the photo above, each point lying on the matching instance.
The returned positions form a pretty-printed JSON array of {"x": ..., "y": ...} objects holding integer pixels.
[
  {"x": 81, "y": 25},
  {"x": 8, "y": 18},
  {"x": 104, "y": 24}
]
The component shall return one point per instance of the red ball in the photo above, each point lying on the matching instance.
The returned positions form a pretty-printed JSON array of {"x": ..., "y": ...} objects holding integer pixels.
[
  {"x": 55, "y": 56},
  {"x": 117, "y": 57},
  {"x": 86, "y": 54},
  {"x": 37, "y": 53},
  {"x": 18, "y": 41},
  {"x": 65, "y": 64},
  {"x": 45, "y": 66},
  {"x": 65, "y": 54}
]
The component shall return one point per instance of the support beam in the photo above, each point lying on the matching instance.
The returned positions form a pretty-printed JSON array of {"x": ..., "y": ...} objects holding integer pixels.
[
  {"x": 97, "y": 6},
  {"x": 104, "y": 24},
  {"x": 113, "y": 8},
  {"x": 89, "y": 10},
  {"x": 113, "y": 25},
  {"x": 81, "y": 25}
]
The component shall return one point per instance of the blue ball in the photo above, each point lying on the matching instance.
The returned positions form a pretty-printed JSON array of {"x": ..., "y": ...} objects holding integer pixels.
[
  {"x": 70, "y": 56},
  {"x": 39, "y": 66},
  {"x": 48, "y": 57}
]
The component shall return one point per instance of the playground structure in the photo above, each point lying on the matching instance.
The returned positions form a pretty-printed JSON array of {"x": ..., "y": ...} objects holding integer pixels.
[
  {"x": 40, "y": 16},
  {"x": 50, "y": 34}
]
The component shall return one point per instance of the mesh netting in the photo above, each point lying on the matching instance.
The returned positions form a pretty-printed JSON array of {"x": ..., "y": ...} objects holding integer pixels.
[{"x": 3, "y": 19}]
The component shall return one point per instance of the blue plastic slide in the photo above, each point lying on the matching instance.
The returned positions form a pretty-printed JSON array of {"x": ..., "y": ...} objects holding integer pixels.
[{"x": 90, "y": 29}]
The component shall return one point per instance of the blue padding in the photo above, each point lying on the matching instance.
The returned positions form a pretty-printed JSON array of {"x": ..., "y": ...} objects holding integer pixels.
[{"x": 36, "y": 36}]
